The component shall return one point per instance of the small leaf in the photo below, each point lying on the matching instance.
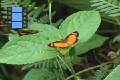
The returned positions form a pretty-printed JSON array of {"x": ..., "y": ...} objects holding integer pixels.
[
  {"x": 39, "y": 11},
  {"x": 37, "y": 74},
  {"x": 64, "y": 51},
  {"x": 114, "y": 75},
  {"x": 116, "y": 39},
  {"x": 31, "y": 6}
]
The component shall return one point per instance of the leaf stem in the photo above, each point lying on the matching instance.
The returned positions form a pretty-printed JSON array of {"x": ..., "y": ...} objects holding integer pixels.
[{"x": 50, "y": 4}]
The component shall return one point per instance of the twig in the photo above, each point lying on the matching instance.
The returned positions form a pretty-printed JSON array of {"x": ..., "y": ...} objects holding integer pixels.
[
  {"x": 50, "y": 4},
  {"x": 78, "y": 73}
]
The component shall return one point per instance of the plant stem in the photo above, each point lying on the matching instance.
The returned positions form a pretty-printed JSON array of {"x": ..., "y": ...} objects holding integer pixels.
[
  {"x": 60, "y": 68},
  {"x": 109, "y": 21},
  {"x": 64, "y": 62},
  {"x": 50, "y": 4},
  {"x": 88, "y": 69},
  {"x": 108, "y": 31},
  {"x": 72, "y": 70},
  {"x": 4, "y": 70}
]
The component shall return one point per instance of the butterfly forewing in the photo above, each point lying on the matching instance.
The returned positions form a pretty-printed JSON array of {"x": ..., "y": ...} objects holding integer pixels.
[{"x": 72, "y": 38}]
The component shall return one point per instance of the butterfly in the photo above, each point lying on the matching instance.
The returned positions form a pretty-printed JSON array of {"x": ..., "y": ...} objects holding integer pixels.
[
  {"x": 69, "y": 40},
  {"x": 26, "y": 32}
]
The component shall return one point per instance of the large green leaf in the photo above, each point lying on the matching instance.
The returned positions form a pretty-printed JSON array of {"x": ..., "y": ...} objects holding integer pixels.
[
  {"x": 114, "y": 75},
  {"x": 95, "y": 41},
  {"x": 85, "y": 22},
  {"x": 30, "y": 48},
  {"x": 37, "y": 74}
]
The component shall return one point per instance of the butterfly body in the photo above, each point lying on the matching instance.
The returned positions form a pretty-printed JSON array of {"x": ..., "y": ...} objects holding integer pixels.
[{"x": 69, "y": 40}]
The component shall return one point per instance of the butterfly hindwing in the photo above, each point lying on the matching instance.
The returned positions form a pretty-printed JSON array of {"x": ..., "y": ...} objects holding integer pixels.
[{"x": 59, "y": 44}]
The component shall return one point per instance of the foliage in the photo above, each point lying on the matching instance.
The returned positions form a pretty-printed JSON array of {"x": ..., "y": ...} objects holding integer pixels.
[
  {"x": 116, "y": 39},
  {"x": 33, "y": 11},
  {"x": 48, "y": 63},
  {"x": 77, "y": 4},
  {"x": 110, "y": 7},
  {"x": 102, "y": 73},
  {"x": 52, "y": 63},
  {"x": 35, "y": 14},
  {"x": 38, "y": 74},
  {"x": 42, "y": 39},
  {"x": 43, "y": 49},
  {"x": 53, "y": 66},
  {"x": 90, "y": 44},
  {"x": 114, "y": 74}
]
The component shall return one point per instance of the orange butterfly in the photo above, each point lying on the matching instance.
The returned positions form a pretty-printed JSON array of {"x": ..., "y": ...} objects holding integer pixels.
[
  {"x": 69, "y": 40},
  {"x": 26, "y": 32}
]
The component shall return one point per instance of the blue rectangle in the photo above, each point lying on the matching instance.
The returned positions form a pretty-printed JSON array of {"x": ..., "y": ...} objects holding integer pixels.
[
  {"x": 16, "y": 9},
  {"x": 16, "y": 24},
  {"x": 16, "y": 16}
]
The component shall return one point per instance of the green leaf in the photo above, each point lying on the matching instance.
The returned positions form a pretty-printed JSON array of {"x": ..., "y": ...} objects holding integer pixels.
[
  {"x": 45, "y": 30},
  {"x": 30, "y": 48},
  {"x": 85, "y": 22},
  {"x": 31, "y": 6},
  {"x": 107, "y": 6},
  {"x": 27, "y": 3},
  {"x": 12, "y": 37},
  {"x": 32, "y": 12},
  {"x": 39, "y": 11},
  {"x": 64, "y": 51},
  {"x": 56, "y": 24},
  {"x": 77, "y": 4},
  {"x": 114, "y": 75},
  {"x": 117, "y": 38},
  {"x": 23, "y": 2},
  {"x": 7, "y": 3},
  {"x": 37, "y": 74},
  {"x": 95, "y": 41},
  {"x": 45, "y": 18}
]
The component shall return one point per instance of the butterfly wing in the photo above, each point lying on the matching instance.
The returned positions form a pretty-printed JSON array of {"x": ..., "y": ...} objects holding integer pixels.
[
  {"x": 26, "y": 32},
  {"x": 58, "y": 44},
  {"x": 72, "y": 38}
]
